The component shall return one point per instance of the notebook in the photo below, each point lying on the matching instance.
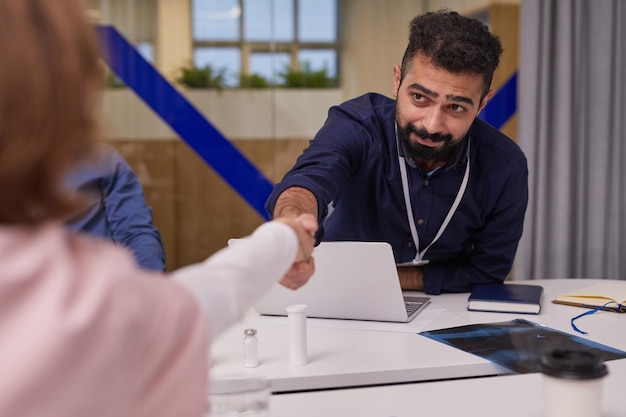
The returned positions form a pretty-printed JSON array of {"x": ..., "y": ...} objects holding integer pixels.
[
  {"x": 352, "y": 280},
  {"x": 609, "y": 296},
  {"x": 506, "y": 298}
]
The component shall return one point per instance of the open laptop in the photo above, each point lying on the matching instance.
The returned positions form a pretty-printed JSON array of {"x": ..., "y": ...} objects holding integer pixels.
[{"x": 352, "y": 280}]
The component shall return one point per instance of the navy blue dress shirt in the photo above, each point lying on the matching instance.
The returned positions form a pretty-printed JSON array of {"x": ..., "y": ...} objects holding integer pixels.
[
  {"x": 353, "y": 163},
  {"x": 116, "y": 207}
]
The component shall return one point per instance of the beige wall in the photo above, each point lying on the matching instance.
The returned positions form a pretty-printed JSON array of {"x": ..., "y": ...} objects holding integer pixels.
[
  {"x": 244, "y": 114},
  {"x": 173, "y": 47},
  {"x": 375, "y": 33},
  {"x": 136, "y": 19},
  {"x": 467, "y": 6}
]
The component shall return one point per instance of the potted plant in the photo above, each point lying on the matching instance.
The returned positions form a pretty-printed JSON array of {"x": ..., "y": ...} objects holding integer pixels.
[
  {"x": 305, "y": 77},
  {"x": 204, "y": 77},
  {"x": 253, "y": 81}
]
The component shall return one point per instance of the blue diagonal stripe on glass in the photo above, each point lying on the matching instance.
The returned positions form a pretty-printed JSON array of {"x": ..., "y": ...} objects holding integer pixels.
[
  {"x": 191, "y": 125},
  {"x": 502, "y": 105}
]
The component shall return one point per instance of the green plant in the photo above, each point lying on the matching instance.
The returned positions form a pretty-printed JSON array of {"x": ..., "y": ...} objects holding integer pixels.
[
  {"x": 205, "y": 77},
  {"x": 112, "y": 81},
  {"x": 305, "y": 77},
  {"x": 253, "y": 81}
]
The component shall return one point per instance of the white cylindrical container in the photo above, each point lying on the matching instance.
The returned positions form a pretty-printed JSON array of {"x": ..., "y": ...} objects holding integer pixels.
[
  {"x": 250, "y": 349},
  {"x": 297, "y": 335},
  {"x": 572, "y": 383}
]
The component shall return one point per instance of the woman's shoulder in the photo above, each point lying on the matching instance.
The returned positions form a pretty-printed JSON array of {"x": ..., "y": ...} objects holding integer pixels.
[{"x": 49, "y": 252}]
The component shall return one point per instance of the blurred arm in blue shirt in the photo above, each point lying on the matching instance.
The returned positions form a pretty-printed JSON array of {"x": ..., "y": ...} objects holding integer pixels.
[{"x": 116, "y": 207}]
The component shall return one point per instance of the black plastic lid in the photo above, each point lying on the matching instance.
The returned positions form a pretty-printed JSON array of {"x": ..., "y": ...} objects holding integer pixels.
[{"x": 573, "y": 364}]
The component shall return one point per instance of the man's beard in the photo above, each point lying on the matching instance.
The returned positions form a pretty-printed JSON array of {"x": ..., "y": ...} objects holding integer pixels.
[{"x": 423, "y": 152}]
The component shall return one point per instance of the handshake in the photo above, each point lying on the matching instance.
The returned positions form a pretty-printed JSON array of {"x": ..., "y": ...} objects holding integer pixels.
[{"x": 305, "y": 226}]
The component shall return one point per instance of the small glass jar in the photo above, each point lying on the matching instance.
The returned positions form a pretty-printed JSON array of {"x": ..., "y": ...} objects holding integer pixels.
[{"x": 250, "y": 349}]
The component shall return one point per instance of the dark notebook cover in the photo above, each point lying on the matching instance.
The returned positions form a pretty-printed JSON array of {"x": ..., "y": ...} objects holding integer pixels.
[{"x": 506, "y": 298}]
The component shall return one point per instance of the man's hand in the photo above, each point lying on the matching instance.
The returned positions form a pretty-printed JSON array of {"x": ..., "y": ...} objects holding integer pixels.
[
  {"x": 299, "y": 274},
  {"x": 305, "y": 226}
]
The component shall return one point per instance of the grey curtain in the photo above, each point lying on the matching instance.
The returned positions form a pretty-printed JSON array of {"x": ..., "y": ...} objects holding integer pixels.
[{"x": 572, "y": 127}]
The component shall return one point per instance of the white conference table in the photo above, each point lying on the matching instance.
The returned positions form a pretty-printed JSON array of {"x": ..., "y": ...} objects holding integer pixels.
[
  {"x": 342, "y": 357},
  {"x": 603, "y": 327},
  {"x": 508, "y": 396}
]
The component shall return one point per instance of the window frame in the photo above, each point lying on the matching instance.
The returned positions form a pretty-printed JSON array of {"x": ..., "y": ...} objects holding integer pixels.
[{"x": 247, "y": 48}]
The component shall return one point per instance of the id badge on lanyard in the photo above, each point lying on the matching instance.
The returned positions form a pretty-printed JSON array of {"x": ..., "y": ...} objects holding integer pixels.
[{"x": 419, "y": 256}]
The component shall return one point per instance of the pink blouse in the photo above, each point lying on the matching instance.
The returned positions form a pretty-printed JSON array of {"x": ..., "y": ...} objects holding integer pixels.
[{"x": 84, "y": 332}]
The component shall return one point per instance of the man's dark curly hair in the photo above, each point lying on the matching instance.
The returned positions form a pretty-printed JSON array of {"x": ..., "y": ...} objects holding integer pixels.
[{"x": 455, "y": 43}]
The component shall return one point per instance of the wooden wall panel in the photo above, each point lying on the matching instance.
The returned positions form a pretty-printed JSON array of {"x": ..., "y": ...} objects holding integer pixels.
[
  {"x": 195, "y": 211},
  {"x": 274, "y": 157},
  {"x": 504, "y": 22},
  {"x": 153, "y": 162},
  {"x": 209, "y": 211}
]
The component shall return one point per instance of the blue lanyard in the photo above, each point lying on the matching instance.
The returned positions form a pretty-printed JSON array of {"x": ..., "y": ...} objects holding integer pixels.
[{"x": 595, "y": 310}]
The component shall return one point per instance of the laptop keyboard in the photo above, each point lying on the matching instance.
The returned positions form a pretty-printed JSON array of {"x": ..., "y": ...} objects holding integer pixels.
[{"x": 412, "y": 307}]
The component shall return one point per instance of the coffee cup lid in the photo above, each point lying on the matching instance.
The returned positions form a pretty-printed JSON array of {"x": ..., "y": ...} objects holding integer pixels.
[{"x": 573, "y": 364}]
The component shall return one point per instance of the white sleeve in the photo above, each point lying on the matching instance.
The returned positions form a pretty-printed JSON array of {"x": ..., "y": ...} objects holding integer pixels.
[{"x": 230, "y": 281}]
